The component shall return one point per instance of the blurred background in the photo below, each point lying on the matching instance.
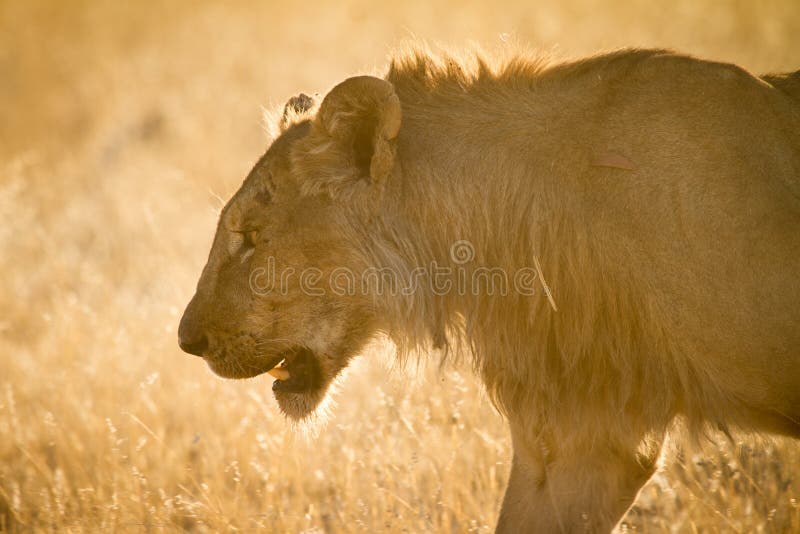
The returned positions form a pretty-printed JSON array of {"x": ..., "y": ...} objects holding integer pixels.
[{"x": 123, "y": 128}]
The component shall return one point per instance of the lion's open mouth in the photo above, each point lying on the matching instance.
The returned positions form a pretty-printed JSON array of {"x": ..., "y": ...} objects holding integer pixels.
[{"x": 299, "y": 371}]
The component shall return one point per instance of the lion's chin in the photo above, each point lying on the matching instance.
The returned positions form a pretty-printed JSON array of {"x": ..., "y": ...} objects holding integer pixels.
[
  {"x": 299, "y": 406},
  {"x": 300, "y": 384}
]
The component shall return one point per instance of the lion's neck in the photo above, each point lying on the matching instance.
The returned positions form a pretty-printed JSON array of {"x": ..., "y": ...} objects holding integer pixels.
[{"x": 472, "y": 207}]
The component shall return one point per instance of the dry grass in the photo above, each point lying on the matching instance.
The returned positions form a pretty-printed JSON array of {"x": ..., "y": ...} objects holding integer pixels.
[{"x": 120, "y": 128}]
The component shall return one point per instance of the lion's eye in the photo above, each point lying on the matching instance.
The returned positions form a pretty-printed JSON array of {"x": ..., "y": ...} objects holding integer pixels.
[{"x": 250, "y": 238}]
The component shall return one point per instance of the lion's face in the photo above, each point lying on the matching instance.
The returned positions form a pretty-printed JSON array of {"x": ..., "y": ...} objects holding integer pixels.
[{"x": 262, "y": 301}]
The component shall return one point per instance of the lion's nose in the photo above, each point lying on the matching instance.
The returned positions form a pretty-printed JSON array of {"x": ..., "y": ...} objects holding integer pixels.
[
  {"x": 191, "y": 337},
  {"x": 197, "y": 347}
]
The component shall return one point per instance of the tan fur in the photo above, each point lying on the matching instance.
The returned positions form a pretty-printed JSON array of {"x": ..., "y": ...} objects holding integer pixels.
[{"x": 674, "y": 274}]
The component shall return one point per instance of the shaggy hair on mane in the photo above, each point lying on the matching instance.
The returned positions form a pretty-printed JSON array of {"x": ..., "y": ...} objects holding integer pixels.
[{"x": 601, "y": 354}]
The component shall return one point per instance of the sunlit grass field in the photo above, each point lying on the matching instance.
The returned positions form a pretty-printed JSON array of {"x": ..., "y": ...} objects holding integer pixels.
[{"x": 123, "y": 127}]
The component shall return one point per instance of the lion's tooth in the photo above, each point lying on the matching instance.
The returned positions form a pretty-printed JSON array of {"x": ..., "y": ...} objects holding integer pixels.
[{"x": 279, "y": 372}]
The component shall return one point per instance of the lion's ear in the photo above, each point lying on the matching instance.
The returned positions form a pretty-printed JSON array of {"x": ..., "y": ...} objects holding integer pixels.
[
  {"x": 363, "y": 114},
  {"x": 353, "y": 136}
]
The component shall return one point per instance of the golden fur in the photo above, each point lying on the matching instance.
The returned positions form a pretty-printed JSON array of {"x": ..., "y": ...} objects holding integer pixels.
[{"x": 673, "y": 271}]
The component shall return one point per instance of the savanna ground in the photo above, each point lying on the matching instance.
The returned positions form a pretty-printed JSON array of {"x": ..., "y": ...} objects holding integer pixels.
[{"x": 122, "y": 126}]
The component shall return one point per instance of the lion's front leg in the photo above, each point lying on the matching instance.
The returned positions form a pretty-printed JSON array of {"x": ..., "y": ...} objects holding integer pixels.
[{"x": 571, "y": 489}]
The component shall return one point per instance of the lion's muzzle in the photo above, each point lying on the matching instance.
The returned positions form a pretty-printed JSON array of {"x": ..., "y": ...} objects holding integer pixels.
[{"x": 191, "y": 335}]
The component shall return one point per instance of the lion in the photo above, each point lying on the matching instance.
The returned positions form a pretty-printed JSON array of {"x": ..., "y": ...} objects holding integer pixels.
[{"x": 653, "y": 197}]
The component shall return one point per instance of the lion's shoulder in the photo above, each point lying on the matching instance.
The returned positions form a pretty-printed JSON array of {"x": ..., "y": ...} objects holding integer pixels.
[
  {"x": 658, "y": 67},
  {"x": 789, "y": 83}
]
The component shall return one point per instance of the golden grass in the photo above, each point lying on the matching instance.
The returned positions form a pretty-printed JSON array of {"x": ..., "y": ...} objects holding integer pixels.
[{"x": 121, "y": 126}]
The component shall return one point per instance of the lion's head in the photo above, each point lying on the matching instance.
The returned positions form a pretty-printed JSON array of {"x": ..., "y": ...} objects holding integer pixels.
[{"x": 262, "y": 300}]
